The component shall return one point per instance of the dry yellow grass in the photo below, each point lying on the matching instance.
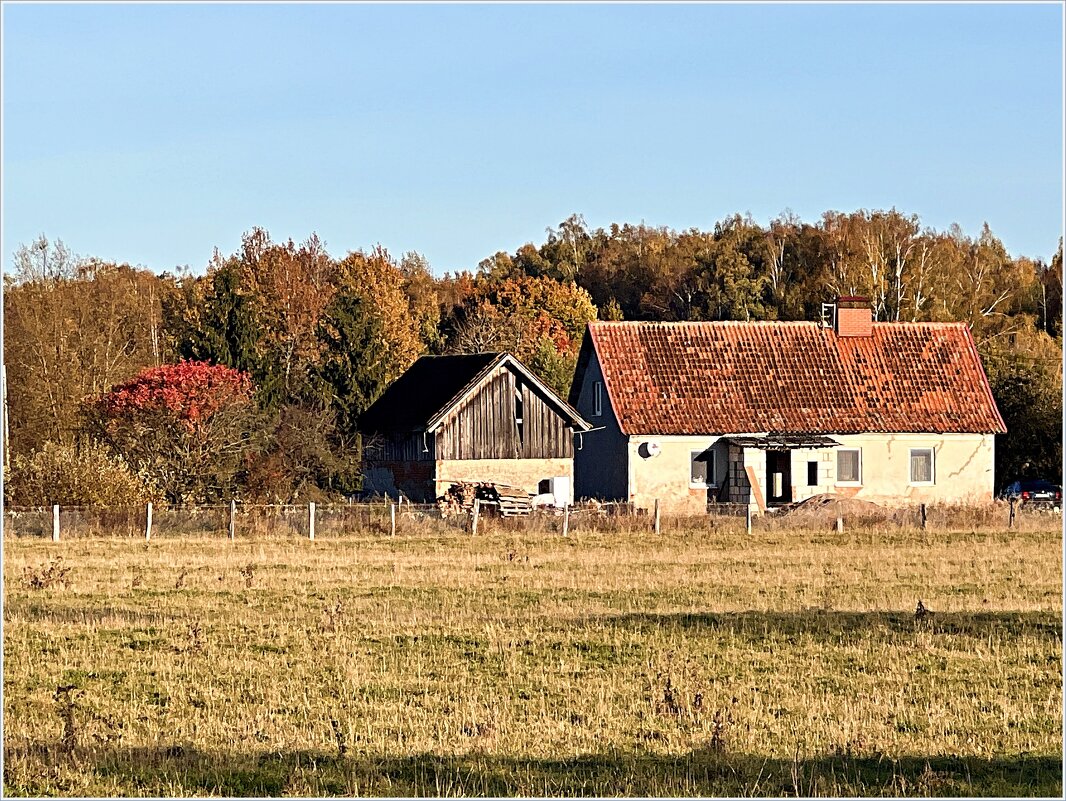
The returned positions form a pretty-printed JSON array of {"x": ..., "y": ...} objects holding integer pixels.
[{"x": 695, "y": 663}]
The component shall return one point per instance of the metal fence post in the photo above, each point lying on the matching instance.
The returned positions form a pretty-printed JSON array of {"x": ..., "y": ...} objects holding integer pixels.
[
  {"x": 747, "y": 518},
  {"x": 658, "y": 528},
  {"x": 148, "y": 521},
  {"x": 311, "y": 520},
  {"x": 1010, "y": 520},
  {"x": 566, "y": 520},
  {"x": 232, "y": 520},
  {"x": 55, "y": 523}
]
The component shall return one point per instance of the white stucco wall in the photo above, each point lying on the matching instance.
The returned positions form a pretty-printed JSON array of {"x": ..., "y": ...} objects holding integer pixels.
[
  {"x": 666, "y": 475},
  {"x": 962, "y": 470},
  {"x": 963, "y": 467}
]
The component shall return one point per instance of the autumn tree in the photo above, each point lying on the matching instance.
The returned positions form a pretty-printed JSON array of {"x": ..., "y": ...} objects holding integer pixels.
[
  {"x": 72, "y": 328},
  {"x": 1025, "y": 371},
  {"x": 729, "y": 279},
  {"x": 1050, "y": 294},
  {"x": 185, "y": 426},
  {"x": 539, "y": 320}
]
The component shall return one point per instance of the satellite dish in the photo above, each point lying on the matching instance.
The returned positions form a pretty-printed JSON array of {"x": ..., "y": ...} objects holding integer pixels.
[{"x": 649, "y": 449}]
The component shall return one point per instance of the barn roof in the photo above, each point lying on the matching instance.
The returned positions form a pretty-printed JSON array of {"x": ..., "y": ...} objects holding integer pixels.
[
  {"x": 419, "y": 398},
  {"x": 790, "y": 377}
]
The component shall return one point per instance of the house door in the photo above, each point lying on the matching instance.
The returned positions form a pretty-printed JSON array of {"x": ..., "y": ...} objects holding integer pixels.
[{"x": 778, "y": 477}]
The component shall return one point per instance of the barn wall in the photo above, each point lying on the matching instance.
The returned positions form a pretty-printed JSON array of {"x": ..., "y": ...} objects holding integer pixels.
[
  {"x": 411, "y": 448},
  {"x": 485, "y": 425},
  {"x": 524, "y": 473},
  {"x": 413, "y": 479}
]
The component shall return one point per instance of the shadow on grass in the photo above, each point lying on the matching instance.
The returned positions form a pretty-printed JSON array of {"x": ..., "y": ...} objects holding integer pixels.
[
  {"x": 184, "y": 771},
  {"x": 51, "y": 610},
  {"x": 828, "y": 623}
]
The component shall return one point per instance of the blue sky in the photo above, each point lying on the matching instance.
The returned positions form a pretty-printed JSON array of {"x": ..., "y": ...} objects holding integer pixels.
[{"x": 151, "y": 134}]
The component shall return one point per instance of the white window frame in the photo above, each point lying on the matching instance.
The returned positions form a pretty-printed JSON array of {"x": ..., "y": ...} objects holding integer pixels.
[
  {"x": 597, "y": 399},
  {"x": 712, "y": 470},
  {"x": 932, "y": 467},
  {"x": 842, "y": 483}
]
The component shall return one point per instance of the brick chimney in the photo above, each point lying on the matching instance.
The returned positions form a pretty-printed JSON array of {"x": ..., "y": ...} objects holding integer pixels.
[{"x": 854, "y": 317}]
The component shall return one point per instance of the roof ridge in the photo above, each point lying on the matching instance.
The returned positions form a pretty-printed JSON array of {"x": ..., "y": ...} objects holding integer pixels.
[
  {"x": 879, "y": 323},
  {"x": 700, "y": 322},
  {"x": 492, "y": 353}
]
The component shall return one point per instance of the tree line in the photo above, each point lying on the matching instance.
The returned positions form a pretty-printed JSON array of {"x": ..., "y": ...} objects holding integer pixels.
[{"x": 318, "y": 337}]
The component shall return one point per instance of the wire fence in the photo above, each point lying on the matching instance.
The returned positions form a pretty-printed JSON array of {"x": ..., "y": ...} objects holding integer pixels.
[{"x": 315, "y": 521}]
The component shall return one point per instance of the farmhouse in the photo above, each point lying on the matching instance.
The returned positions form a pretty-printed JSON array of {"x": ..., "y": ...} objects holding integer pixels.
[
  {"x": 480, "y": 417},
  {"x": 768, "y": 413}
]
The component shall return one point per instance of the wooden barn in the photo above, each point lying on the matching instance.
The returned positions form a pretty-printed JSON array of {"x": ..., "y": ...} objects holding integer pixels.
[{"x": 479, "y": 417}]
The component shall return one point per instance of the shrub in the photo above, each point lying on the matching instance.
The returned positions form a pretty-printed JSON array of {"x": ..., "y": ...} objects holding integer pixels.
[
  {"x": 86, "y": 476},
  {"x": 186, "y": 426}
]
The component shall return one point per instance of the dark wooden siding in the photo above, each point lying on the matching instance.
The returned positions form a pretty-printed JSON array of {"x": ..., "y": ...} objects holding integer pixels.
[
  {"x": 401, "y": 449},
  {"x": 484, "y": 426}
]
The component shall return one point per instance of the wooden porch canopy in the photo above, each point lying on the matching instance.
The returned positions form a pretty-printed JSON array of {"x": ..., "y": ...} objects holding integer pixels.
[{"x": 785, "y": 442}]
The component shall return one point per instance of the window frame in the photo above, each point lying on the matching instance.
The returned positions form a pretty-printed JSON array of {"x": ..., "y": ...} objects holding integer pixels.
[
  {"x": 712, "y": 469},
  {"x": 932, "y": 467},
  {"x": 812, "y": 463},
  {"x": 848, "y": 482},
  {"x": 597, "y": 399}
]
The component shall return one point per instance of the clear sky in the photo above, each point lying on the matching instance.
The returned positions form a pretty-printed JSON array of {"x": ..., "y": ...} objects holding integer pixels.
[{"x": 151, "y": 134}]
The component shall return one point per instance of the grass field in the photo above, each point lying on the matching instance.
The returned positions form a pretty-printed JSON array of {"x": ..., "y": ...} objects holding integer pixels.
[{"x": 694, "y": 663}]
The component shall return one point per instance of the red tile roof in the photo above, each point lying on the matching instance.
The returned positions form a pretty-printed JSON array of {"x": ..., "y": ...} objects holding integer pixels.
[{"x": 736, "y": 377}]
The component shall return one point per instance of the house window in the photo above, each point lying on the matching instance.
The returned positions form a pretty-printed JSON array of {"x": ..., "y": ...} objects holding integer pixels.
[
  {"x": 921, "y": 465},
  {"x": 701, "y": 468},
  {"x": 812, "y": 474},
  {"x": 597, "y": 399},
  {"x": 849, "y": 466}
]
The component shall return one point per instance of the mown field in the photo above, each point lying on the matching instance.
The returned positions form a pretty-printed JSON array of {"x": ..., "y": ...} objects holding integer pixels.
[{"x": 694, "y": 663}]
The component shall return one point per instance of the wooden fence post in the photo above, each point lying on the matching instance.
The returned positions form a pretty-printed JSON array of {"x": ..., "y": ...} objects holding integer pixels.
[
  {"x": 310, "y": 520},
  {"x": 148, "y": 522},
  {"x": 747, "y": 518},
  {"x": 658, "y": 528},
  {"x": 1010, "y": 520},
  {"x": 55, "y": 523},
  {"x": 392, "y": 519},
  {"x": 922, "y": 509},
  {"x": 232, "y": 520},
  {"x": 473, "y": 519},
  {"x": 566, "y": 520}
]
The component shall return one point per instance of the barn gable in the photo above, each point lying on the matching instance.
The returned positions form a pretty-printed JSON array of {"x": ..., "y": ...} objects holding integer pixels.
[{"x": 482, "y": 417}]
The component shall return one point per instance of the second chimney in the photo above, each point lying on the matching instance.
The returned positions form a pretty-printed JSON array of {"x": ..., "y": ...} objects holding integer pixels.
[{"x": 854, "y": 317}]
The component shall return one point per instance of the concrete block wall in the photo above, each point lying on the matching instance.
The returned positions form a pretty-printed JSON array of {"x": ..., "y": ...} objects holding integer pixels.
[
  {"x": 524, "y": 473},
  {"x": 826, "y": 459}
]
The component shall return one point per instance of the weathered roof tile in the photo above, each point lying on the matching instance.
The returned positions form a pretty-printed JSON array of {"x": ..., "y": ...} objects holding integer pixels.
[{"x": 794, "y": 377}]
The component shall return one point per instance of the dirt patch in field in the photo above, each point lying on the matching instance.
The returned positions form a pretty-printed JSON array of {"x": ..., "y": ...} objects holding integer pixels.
[{"x": 829, "y": 507}]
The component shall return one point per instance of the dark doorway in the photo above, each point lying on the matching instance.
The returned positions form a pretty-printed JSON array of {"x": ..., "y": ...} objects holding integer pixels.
[{"x": 778, "y": 477}]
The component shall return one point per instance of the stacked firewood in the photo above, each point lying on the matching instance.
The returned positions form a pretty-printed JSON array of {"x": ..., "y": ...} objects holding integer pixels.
[
  {"x": 459, "y": 499},
  {"x": 505, "y": 500}
]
